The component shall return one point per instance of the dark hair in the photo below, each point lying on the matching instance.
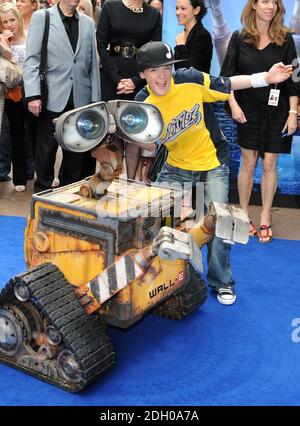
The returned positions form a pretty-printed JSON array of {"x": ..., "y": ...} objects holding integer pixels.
[
  {"x": 203, "y": 8},
  {"x": 150, "y": 1}
]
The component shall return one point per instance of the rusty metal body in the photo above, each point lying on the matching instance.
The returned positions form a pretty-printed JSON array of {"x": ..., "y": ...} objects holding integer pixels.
[
  {"x": 102, "y": 251},
  {"x": 83, "y": 236},
  {"x": 93, "y": 262}
]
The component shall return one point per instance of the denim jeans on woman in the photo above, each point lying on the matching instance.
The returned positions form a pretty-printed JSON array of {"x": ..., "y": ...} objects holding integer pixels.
[{"x": 216, "y": 187}]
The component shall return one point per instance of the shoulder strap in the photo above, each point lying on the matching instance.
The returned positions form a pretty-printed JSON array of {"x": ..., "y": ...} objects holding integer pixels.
[{"x": 45, "y": 43}]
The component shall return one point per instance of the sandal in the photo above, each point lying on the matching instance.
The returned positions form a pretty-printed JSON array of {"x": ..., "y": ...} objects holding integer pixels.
[
  {"x": 265, "y": 234},
  {"x": 252, "y": 230}
]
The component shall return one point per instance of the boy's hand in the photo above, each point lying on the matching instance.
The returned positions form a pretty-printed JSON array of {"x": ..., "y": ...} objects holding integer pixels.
[{"x": 279, "y": 73}]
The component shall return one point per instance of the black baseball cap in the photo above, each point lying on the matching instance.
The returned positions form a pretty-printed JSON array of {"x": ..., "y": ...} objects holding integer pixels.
[{"x": 155, "y": 54}]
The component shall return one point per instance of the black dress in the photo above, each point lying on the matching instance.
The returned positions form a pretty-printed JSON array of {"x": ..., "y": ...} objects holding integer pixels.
[
  {"x": 197, "y": 50},
  {"x": 262, "y": 132},
  {"x": 118, "y": 25}
]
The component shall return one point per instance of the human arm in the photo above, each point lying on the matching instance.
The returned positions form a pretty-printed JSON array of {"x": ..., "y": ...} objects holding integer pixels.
[
  {"x": 31, "y": 75},
  {"x": 236, "y": 111},
  {"x": 230, "y": 67},
  {"x": 5, "y": 49},
  {"x": 142, "y": 95},
  {"x": 219, "y": 88},
  {"x": 291, "y": 122},
  {"x": 94, "y": 68},
  {"x": 277, "y": 74}
]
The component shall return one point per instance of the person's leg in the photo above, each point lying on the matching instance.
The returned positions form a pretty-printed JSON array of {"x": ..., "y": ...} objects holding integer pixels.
[
  {"x": 245, "y": 177},
  {"x": 219, "y": 272},
  {"x": 72, "y": 166},
  {"x": 132, "y": 157},
  {"x": 89, "y": 165},
  {"x": 46, "y": 148},
  {"x": 138, "y": 175},
  {"x": 147, "y": 164},
  {"x": 183, "y": 181},
  {"x": 31, "y": 123},
  {"x": 16, "y": 117},
  {"x": 268, "y": 189},
  {"x": 5, "y": 150}
]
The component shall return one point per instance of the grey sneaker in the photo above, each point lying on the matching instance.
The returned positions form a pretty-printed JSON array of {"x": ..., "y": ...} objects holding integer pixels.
[{"x": 226, "y": 295}]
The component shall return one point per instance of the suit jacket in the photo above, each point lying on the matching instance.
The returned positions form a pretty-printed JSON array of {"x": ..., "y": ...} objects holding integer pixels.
[{"x": 64, "y": 68}]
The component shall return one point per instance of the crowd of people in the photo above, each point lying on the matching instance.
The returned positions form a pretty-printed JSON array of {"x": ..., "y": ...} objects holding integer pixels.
[{"x": 110, "y": 50}]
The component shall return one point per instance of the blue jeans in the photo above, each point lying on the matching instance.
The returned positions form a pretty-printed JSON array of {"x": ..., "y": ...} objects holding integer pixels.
[{"x": 216, "y": 187}]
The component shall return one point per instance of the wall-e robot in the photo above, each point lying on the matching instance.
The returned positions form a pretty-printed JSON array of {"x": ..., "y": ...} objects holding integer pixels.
[{"x": 103, "y": 251}]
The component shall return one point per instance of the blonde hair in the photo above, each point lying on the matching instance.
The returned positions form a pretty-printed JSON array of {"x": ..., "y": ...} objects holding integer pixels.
[
  {"x": 38, "y": 4},
  {"x": 277, "y": 30},
  {"x": 9, "y": 7},
  {"x": 88, "y": 8}
]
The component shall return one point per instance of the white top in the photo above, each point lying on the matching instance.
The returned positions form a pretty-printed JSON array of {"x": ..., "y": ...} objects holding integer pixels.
[{"x": 18, "y": 53}]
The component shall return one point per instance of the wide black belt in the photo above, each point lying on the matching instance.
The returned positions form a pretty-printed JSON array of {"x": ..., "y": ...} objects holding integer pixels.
[{"x": 124, "y": 49}]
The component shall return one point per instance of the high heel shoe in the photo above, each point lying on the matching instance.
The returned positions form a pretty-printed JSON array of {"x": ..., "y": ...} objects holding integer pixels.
[
  {"x": 265, "y": 234},
  {"x": 252, "y": 229}
]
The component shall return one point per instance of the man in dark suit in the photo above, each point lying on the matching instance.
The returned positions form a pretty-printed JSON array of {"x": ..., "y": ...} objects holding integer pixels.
[{"x": 72, "y": 75}]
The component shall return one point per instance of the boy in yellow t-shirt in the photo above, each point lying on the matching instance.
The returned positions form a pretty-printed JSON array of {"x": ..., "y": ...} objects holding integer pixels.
[{"x": 197, "y": 149}]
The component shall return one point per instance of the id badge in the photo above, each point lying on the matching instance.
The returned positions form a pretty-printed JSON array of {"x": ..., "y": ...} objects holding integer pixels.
[{"x": 274, "y": 97}]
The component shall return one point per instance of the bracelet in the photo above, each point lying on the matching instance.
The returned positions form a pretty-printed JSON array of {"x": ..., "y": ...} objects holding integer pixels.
[
  {"x": 293, "y": 111},
  {"x": 259, "y": 80}
]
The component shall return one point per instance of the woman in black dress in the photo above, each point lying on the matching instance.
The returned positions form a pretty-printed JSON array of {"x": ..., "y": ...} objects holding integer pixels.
[
  {"x": 124, "y": 26},
  {"x": 261, "y": 124},
  {"x": 194, "y": 43}
]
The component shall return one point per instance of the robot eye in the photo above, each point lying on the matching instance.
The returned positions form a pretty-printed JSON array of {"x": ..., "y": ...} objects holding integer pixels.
[
  {"x": 90, "y": 125},
  {"x": 136, "y": 122},
  {"x": 83, "y": 128},
  {"x": 134, "y": 119}
]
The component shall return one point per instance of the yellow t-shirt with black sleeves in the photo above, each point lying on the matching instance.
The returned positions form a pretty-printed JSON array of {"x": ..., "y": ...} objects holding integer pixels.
[{"x": 187, "y": 135}]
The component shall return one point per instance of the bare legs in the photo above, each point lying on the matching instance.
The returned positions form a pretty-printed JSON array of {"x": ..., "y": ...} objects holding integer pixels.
[
  {"x": 245, "y": 178},
  {"x": 268, "y": 186},
  {"x": 268, "y": 182},
  {"x": 132, "y": 157}
]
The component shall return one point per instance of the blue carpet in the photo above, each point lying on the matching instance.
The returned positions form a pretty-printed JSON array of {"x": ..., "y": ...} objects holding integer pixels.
[{"x": 238, "y": 355}]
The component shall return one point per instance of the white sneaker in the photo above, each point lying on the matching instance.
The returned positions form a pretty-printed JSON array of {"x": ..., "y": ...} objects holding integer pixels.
[
  {"x": 20, "y": 188},
  {"x": 226, "y": 296},
  {"x": 55, "y": 183}
]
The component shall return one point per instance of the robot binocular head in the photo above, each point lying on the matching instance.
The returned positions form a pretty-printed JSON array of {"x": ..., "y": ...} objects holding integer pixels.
[{"x": 84, "y": 128}]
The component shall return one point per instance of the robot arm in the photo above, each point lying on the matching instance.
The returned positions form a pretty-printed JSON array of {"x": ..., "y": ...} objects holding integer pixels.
[{"x": 226, "y": 222}]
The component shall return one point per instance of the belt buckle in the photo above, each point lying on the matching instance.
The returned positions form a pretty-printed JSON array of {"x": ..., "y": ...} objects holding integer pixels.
[{"x": 128, "y": 52}]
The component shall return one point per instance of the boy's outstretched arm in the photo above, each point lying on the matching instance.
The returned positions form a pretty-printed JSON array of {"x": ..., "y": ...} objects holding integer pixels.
[{"x": 277, "y": 74}]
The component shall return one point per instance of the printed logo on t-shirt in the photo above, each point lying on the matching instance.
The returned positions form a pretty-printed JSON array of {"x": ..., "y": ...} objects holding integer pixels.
[{"x": 181, "y": 123}]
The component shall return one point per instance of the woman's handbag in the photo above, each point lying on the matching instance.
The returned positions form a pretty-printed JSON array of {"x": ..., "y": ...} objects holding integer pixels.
[
  {"x": 14, "y": 94},
  {"x": 11, "y": 74},
  {"x": 158, "y": 162}
]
